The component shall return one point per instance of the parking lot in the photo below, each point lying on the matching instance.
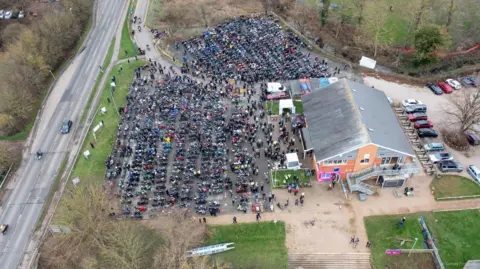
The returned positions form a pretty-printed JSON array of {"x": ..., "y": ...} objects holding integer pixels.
[{"x": 436, "y": 105}]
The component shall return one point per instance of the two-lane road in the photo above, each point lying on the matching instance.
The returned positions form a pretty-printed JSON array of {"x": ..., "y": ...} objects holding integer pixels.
[{"x": 24, "y": 205}]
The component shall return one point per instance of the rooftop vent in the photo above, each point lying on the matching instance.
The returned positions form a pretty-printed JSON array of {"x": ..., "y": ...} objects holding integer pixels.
[
  {"x": 353, "y": 90},
  {"x": 361, "y": 108},
  {"x": 370, "y": 129}
]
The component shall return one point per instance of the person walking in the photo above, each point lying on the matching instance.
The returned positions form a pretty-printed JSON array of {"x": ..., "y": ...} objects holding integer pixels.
[
  {"x": 204, "y": 220},
  {"x": 234, "y": 220},
  {"x": 352, "y": 240},
  {"x": 258, "y": 216},
  {"x": 368, "y": 244},
  {"x": 356, "y": 242}
]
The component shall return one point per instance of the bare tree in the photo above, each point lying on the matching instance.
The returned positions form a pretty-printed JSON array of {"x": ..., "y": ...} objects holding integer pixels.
[
  {"x": 464, "y": 111},
  {"x": 372, "y": 31}
]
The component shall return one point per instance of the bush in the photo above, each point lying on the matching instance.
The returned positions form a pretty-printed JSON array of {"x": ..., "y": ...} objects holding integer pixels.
[{"x": 455, "y": 140}]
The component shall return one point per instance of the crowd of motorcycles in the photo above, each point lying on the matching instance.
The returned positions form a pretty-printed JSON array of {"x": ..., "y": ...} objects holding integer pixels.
[
  {"x": 191, "y": 144},
  {"x": 252, "y": 48}
]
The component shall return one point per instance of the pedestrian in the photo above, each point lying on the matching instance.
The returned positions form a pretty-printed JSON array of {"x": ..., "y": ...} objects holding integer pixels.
[
  {"x": 233, "y": 202},
  {"x": 108, "y": 100},
  {"x": 261, "y": 187},
  {"x": 92, "y": 144},
  {"x": 204, "y": 220},
  {"x": 103, "y": 123},
  {"x": 302, "y": 196},
  {"x": 126, "y": 52},
  {"x": 301, "y": 202},
  {"x": 296, "y": 202},
  {"x": 258, "y": 216},
  {"x": 128, "y": 61},
  {"x": 234, "y": 220},
  {"x": 136, "y": 58},
  {"x": 295, "y": 191},
  {"x": 356, "y": 242},
  {"x": 368, "y": 244},
  {"x": 352, "y": 240},
  {"x": 199, "y": 220}
]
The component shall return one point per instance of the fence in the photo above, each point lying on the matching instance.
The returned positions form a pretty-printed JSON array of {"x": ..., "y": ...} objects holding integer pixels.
[{"x": 436, "y": 255}]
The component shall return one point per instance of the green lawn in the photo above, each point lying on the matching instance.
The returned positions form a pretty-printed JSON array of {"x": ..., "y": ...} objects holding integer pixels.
[
  {"x": 453, "y": 186},
  {"x": 94, "y": 167},
  {"x": 105, "y": 64},
  {"x": 456, "y": 234},
  {"x": 257, "y": 245},
  {"x": 275, "y": 106},
  {"x": 384, "y": 234},
  {"x": 279, "y": 177},
  {"x": 126, "y": 43}
]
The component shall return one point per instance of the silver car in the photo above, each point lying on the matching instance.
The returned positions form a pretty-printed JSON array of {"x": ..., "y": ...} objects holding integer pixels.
[
  {"x": 2, "y": 14},
  {"x": 8, "y": 15}
]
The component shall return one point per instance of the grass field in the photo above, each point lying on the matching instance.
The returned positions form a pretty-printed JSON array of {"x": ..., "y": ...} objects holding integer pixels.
[
  {"x": 279, "y": 177},
  {"x": 275, "y": 106},
  {"x": 456, "y": 234},
  {"x": 452, "y": 186},
  {"x": 257, "y": 245},
  {"x": 126, "y": 43},
  {"x": 94, "y": 167},
  {"x": 383, "y": 233},
  {"x": 414, "y": 261}
]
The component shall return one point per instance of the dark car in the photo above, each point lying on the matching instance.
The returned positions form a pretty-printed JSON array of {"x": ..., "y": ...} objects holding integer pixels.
[
  {"x": 66, "y": 125},
  {"x": 473, "y": 139},
  {"x": 417, "y": 116},
  {"x": 423, "y": 124},
  {"x": 416, "y": 108},
  {"x": 427, "y": 132},
  {"x": 470, "y": 81},
  {"x": 450, "y": 166},
  {"x": 445, "y": 87},
  {"x": 435, "y": 89}
]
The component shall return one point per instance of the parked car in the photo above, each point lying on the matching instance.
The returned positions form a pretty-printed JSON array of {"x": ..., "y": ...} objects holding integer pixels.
[
  {"x": 473, "y": 139},
  {"x": 470, "y": 81},
  {"x": 2, "y": 14},
  {"x": 278, "y": 96},
  {"x": 450, "y": 166},
  {"x": 430, "y": 147},
  {"x": 66, "y": 126},
  {"x": 423, "y": 124},
  {"x": 390, "y": 100},
  {"x": 426, "y": 132},
  {"x": 441, "y": 156},
  {"x": 474, "y": 172},
  {"x": 416, "y": 108},
  {"x": 15, "y": 15},
  {"x": 21, "y": 14},
  {"x": 445, "y": 87},
  {"x": 411, "y": 102},
  {"x": 435, "y": 89},
  {"x": 8, "y": 15},
  {"x": 417, "y": 116},
  {"x": 455, "y": 84}
]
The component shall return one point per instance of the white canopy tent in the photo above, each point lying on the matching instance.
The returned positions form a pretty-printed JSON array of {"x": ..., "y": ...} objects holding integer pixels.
[
  {"x": 292, "y": 161},
  {"x": 286, "y": 104},
  {"x": 367, "y": 62},
  {"x": 275, "y": 87}
]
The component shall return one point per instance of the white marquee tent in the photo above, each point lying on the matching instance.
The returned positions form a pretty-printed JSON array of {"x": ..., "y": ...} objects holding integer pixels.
[{"x": 286, "y": 104}]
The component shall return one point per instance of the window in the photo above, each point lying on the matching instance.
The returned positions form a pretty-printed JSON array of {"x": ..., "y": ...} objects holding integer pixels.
[
  {"x": 335, "y": 162},
  {"x": 364, "y": 161},
  {"x": 326, "y": 175}
]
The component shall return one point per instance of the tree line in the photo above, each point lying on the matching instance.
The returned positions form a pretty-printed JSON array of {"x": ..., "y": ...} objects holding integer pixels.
[
  {"x": 31, "y": 53},
  {"x": 100, "y": 240}
]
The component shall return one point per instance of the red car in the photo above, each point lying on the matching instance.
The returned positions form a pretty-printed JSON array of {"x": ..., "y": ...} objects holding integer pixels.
[
  {"x": 445, "y": 87},
  {"x": 277, "y": 96},
  {"x": 417, "y": 116},
  {"x": 423, "y": 124}
]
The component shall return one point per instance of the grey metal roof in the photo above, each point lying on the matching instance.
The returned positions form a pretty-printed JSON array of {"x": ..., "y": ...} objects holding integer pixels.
[
  {"x": 347, "y": 115},
  {"x": 306, "y": 139}
]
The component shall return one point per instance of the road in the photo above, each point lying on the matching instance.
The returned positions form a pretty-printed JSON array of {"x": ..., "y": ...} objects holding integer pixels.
[{"x": 35, "y": 177}]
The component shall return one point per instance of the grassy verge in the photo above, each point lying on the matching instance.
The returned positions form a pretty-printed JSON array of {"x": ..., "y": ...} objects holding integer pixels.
[
  {"x": 282, "y": 177},
  {"x": 126, "y": 43},
  {"x": 105, "y": 64},
  {"x": 22, "y": 135},
  {"x": 259, "y": 244},
  {"x": 455, "y": 232},
  {"x": 94, "y": 167},
  {"x": 154, "y": 12},
  {"x": 454, "y": 186},
  {"x": 54, "y": 188},
  {"x": 412, "y": 261}
]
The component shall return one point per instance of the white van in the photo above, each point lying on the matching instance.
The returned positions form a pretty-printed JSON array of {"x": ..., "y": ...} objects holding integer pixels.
[
  {"x": 292, "y": 161},
  {"x": 474, "y": 172}
]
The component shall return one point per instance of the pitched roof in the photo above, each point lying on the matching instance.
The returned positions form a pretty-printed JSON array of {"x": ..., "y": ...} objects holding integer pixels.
[{"x": 347, "y": 115}]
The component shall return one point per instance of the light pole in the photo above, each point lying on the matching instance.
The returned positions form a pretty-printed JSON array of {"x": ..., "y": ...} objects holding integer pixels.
[{"x": 416, "y": 239}]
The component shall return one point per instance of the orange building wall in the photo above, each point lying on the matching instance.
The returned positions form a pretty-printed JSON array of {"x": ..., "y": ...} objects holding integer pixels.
[{"x": 368, "y": 149}]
